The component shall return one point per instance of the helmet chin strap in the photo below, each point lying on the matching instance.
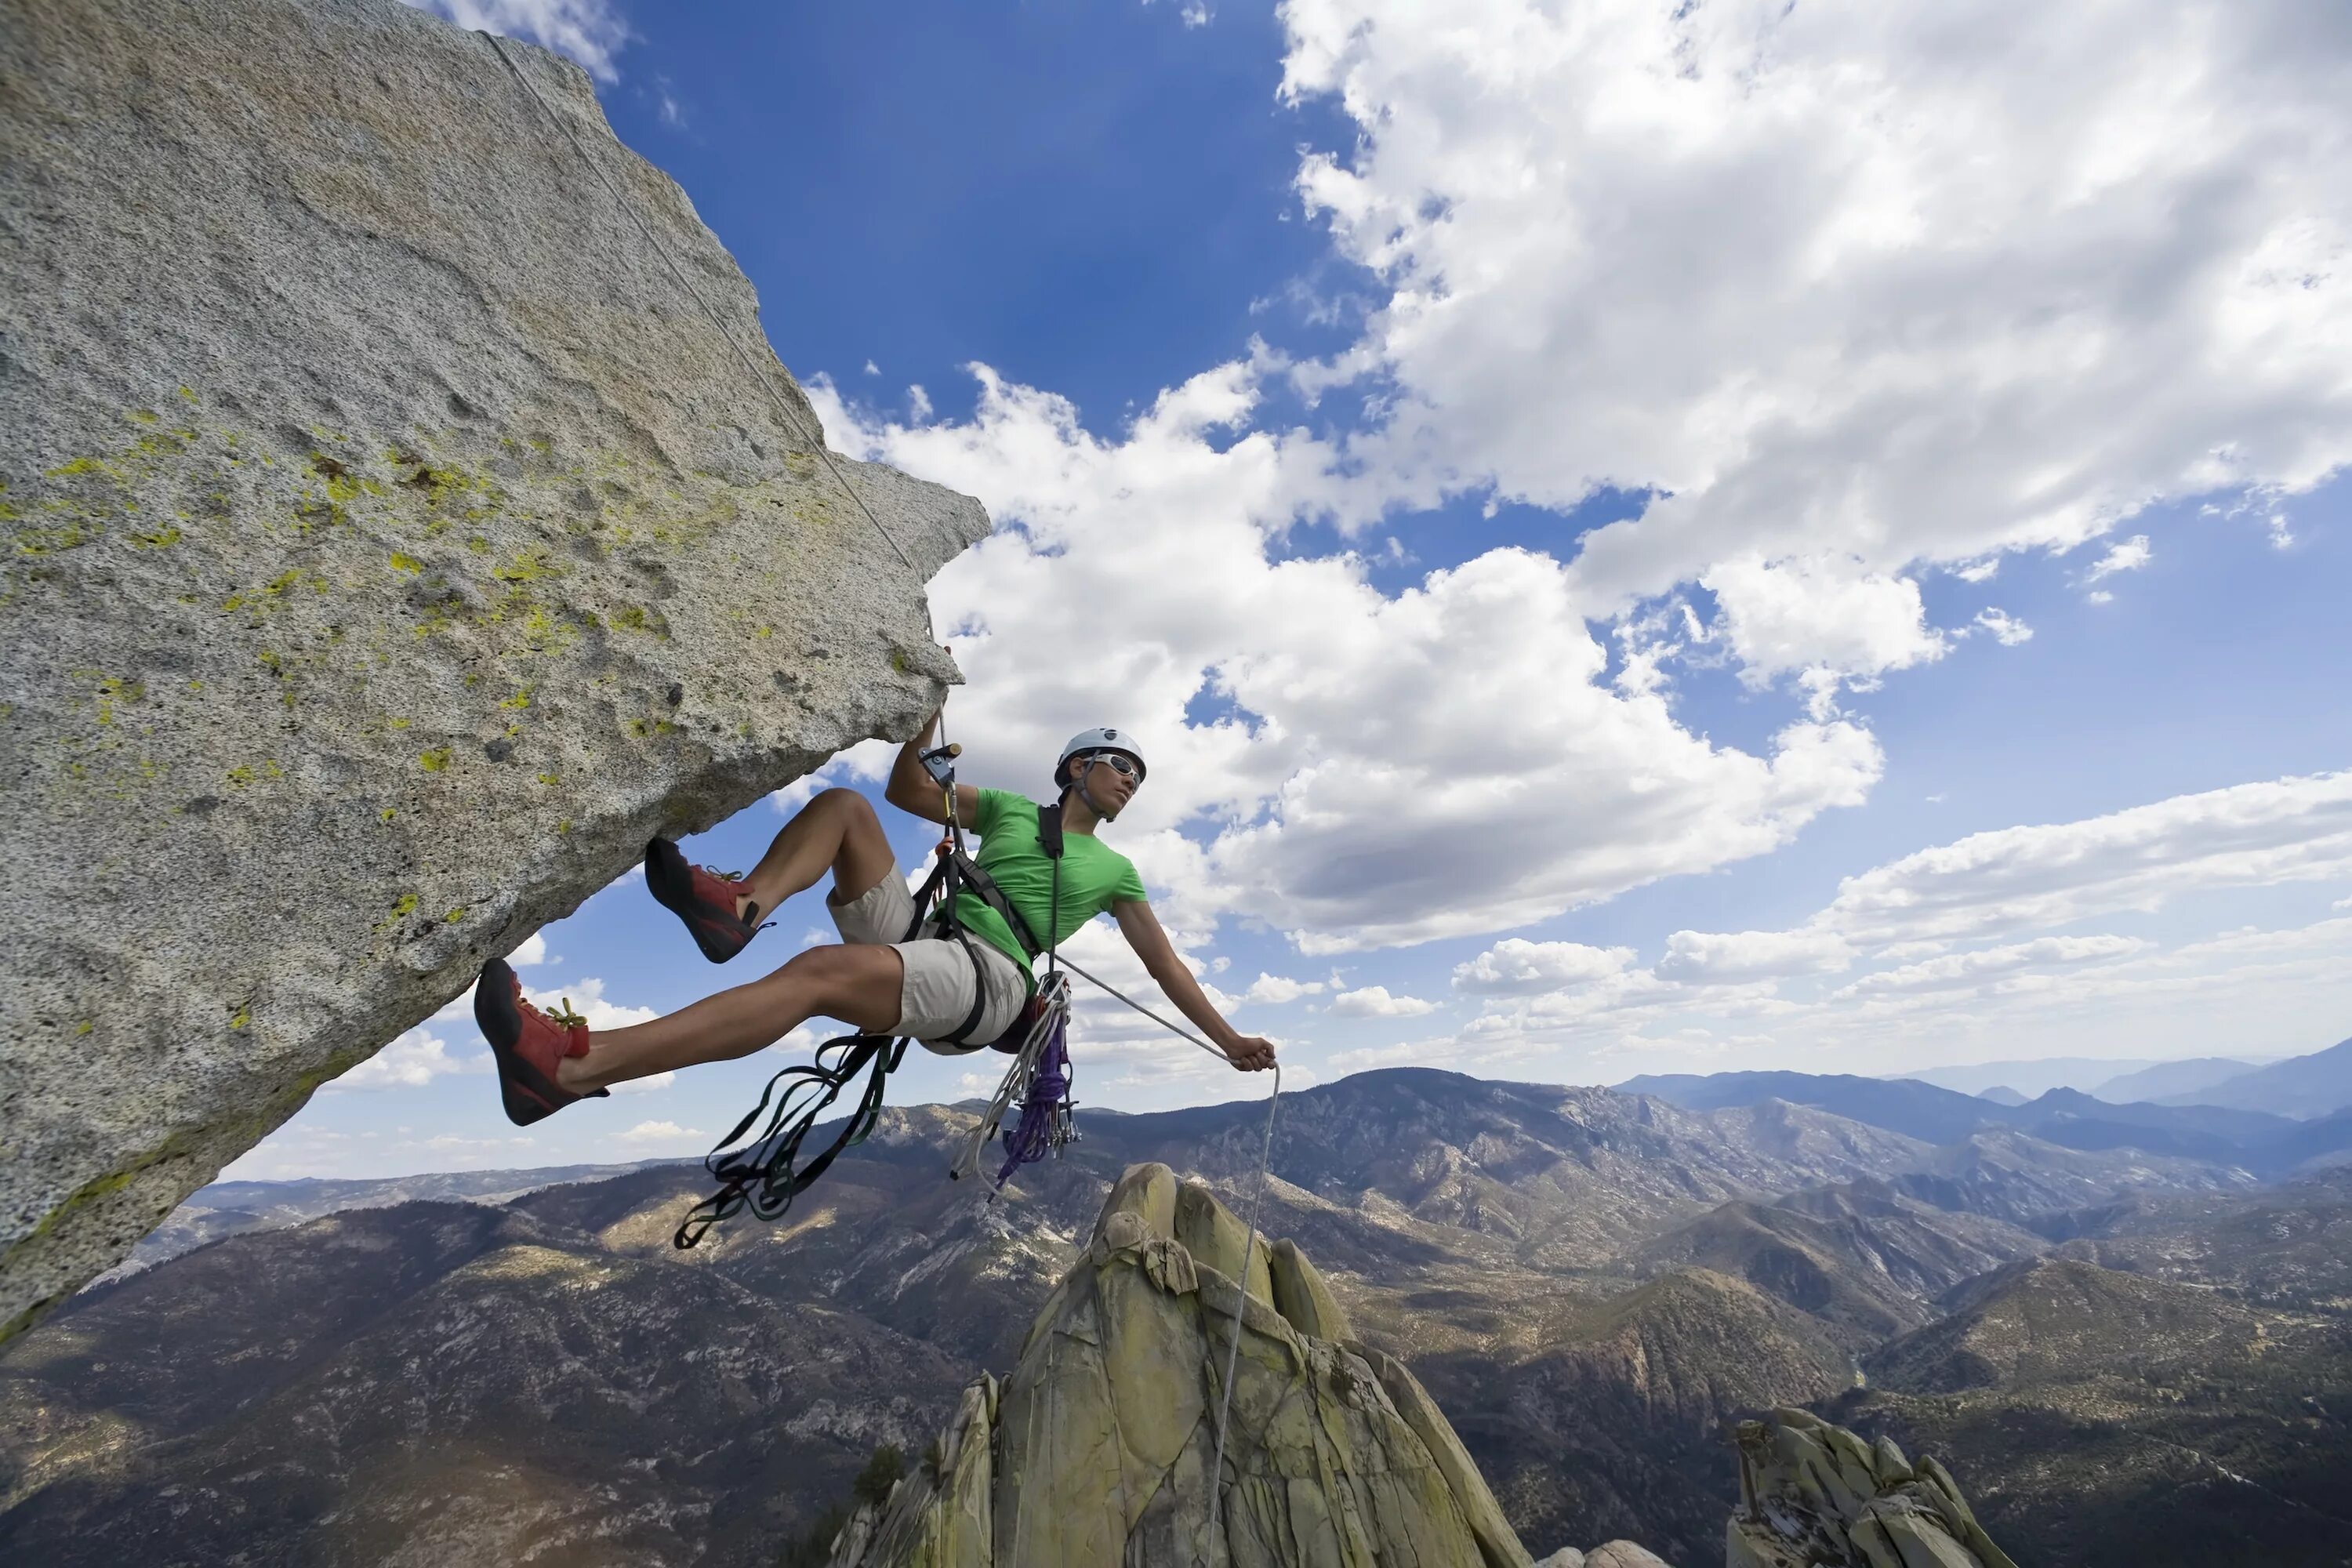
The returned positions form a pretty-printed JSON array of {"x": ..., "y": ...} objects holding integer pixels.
[
  {"x": 1086, "y": 793},
  {"x": 1079, "y": 783}
]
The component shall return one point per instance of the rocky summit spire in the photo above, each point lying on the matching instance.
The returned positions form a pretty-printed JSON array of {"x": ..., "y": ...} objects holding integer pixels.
[
  {"x": 1813, "y": 1493},
  {"x": 1097, "y": 1449}
]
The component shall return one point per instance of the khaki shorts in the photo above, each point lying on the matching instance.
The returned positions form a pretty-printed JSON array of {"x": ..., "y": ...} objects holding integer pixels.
[{"x": 938, "y": 990}]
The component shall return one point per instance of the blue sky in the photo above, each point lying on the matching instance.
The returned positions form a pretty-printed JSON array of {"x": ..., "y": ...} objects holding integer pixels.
[{"x": 1624, "y": 565}]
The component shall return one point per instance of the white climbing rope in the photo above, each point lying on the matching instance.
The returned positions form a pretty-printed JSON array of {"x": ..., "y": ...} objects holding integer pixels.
[
  {"x": 1241, "y": 1286},
  {"x": 791, "y": 422}
]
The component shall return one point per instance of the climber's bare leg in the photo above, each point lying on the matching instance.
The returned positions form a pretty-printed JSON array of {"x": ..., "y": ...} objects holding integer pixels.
[
  {"x": 858, "y": 985},
  {"x": 837, "y": 832}
]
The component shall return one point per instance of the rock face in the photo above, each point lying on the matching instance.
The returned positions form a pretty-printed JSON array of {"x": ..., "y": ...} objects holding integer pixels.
[
  {"x": 1813, "y": 1493},
  {"x": 396, "y": 543},
  {"x": 1099, "y": 1449}
]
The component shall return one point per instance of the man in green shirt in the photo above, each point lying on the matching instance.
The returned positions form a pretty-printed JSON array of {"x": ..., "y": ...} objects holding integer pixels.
[{"x": 952, "y": 995}]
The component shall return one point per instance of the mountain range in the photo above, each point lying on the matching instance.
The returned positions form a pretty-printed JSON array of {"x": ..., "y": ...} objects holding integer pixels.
[
  {"x": 225, "y": 1208},
  {"x": 1591, "y": 1283},
  {"x": 2262, "y": 1142},
  {"x": 2317, "y": 1085},
  {"x": 2121, "y": 1079},
  {"x": 2304, "y": 1087}
]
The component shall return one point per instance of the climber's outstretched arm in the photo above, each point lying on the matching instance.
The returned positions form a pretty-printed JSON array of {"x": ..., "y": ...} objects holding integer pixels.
[
  {"x": 912, "y": 789},
  {"x": 1248, "y": 1053}
]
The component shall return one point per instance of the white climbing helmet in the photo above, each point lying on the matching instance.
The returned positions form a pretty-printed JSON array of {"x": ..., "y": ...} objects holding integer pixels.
[{"x": 1088, "y": 741}]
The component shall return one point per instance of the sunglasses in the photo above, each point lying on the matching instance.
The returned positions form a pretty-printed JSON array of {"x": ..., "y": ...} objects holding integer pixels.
[{"x": 1123, "y": 766}]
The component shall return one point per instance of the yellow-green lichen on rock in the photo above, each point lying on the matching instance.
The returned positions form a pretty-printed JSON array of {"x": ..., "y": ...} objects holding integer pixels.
[
  {"x": 411, "y": 480},
  {"x": 1099, "y": 1450}
]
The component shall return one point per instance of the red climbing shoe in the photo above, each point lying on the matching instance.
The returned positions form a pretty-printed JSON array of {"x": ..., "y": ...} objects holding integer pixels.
[
  {"x": 529, "y": 1045},
  {"x": 703, "y": 899}
]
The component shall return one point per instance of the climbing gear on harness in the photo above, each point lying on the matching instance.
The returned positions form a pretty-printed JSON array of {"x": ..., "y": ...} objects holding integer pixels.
[
  {"x": 1039, "y": 1078},
  {"x": 1090, "y": 741},
  {"x": 528, "y": 1045},
  {"x": 791, "y": 421},
  {"x": 703, "y": 899},
  {"x": 1048, "y": 1116}
]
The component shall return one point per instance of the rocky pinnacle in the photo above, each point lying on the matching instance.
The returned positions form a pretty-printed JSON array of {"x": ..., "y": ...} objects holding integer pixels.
[{"x": 1097, "y": 1448}]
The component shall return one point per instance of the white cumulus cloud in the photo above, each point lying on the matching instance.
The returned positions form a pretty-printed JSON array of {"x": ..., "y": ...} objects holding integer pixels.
[
  {"x": 2251, "y": 835},
  {"x": 1730, "y": 958},
  {"x": 1886, "y": 285},
  {"x": 660, "y": 1080},
  {"x": 1389, "y": 760},
  {"x": 2006, "y": 629},
  {"x": 1963, "y": 949},
  {"x": 663, "y": 1135},
  {"x": 1516, "y": 966},
  {"x": 591, "y": 33},
  {"x": 411, "y": 1061},
  {"x": 2129, "y": 556},
  {"x": 1276, "y": 988},
  {"x": 1968, "y": 970},
  {"x": 1821, "y": 614},
  {"x": 1374, "y": 1002}
]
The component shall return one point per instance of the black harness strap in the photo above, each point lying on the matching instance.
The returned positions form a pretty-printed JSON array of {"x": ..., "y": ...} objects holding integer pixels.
[
  {"x": 955, "y": 867},
  {"x": 1049, "y": 839},
  {"x": 983, "y": 886}
]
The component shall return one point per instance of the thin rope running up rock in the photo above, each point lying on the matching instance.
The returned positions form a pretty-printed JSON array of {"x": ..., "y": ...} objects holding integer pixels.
[{"x": 816, "y": 445}]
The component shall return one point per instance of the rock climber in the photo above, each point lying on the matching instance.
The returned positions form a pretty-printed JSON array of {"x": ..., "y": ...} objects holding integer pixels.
[{"x": 928, "y": 988}]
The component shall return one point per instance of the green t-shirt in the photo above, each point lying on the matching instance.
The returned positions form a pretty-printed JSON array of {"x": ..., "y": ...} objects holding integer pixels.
[{"x": 1094, "y": 876}]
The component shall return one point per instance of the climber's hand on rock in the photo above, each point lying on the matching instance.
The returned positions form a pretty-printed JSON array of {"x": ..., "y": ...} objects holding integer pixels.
[{"x": 1250, "y": 1053}]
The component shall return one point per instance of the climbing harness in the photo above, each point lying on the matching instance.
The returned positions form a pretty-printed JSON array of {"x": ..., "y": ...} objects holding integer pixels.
[
  {"x": 766, "y": 1174},
  {"x": 1039, "y": 1078},
  {"x": 792, "y": 420}
]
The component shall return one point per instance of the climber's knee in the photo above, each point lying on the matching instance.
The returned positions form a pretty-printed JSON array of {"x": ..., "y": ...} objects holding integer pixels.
[
  {"x": 858, "y": 984},
  {"x": 864, "y": 857}
]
